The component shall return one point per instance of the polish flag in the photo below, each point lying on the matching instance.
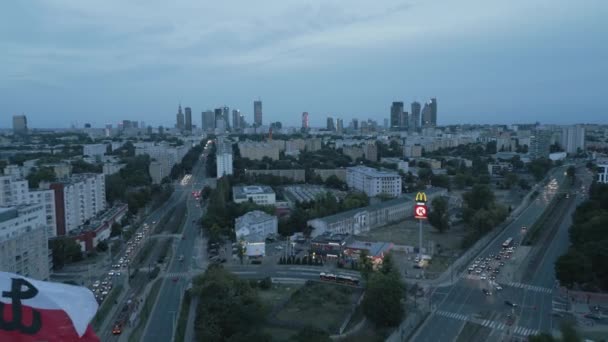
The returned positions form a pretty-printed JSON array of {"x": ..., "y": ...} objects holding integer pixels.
[{"x": 36, "y": 311}]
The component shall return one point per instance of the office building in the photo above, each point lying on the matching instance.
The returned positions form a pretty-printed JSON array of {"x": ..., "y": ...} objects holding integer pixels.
[
  {"x": 305, "y": 120},
  {"x": 226, "y": 116},
  {"x": 23, "y": 241},
  {"x": 355, "y": 124},
  {"x": 236, "y": 119},
  {"x": 396, "y": 115},
  {"x": 20, "y": 124},
  {"x": 427, "y": 116},
  {"x": 330, "y": 124},
  {"x": 78, "y": 200},
  {"x": 573, "y": 139},
  {"x": 242, "y": 122},
  {"x": 433, "y": 106},
  {"x": 258, "y": 194},
  {"x": 339, "y": 126},
  {"x": 223, "y": 155},
  {"x": 208, "y": 121},
  {"x": 188, "y": 123},
  {"x": 415, "y": 116},
  {"x": 373, "y": 182},
  {"x": 257, "y": 113},
  {"x": 540, "y": 144},
  {"x": 179, "y": 118}
]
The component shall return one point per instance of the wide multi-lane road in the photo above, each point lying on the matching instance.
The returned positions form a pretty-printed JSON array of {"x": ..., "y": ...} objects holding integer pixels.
[
  {"x": 161, "y": 323},
  {"x": 464, "y": 301}
]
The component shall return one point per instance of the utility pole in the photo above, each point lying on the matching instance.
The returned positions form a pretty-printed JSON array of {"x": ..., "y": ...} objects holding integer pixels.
[{"x": 420, "y": 239}]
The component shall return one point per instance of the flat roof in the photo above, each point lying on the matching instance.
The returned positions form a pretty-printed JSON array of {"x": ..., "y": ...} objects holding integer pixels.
[
  {"x": 241, "y": 191},
  {"x": 350, "y": 213},
  {"x": 374, "y": 248}
]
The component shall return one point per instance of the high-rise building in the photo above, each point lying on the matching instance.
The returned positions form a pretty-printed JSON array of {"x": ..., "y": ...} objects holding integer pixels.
[
  {"x": 19, "y": 124},
  {"x": 573, "y": 138},
  {"x": 330, "y": 124},
  {"x": 404, "y": 120},
  {"x": 236, "y": 119},
  {"x": 415, "y": 117},
  {"x": 188, "y": 125},
  {"x": 540, "y": 144},
  {"x": 223, "y": 158},
  {"x": 339, "y": 126},
  {"x": 242, "y": 122},
  {"x": 426, "y": 116},
  {"x": 226, "y": 116},
  {"x": 396, "y": 115},
  {"x": 257, "y": 113},
  {"x": 305, "y": 120},
  {"x": 208, "y": 121},
  {"x": 23, "y": 241},
  {"x": 433, "y": 104},
  {"x": 355, "y": 124},
  {"x": 180, "y": 119}
]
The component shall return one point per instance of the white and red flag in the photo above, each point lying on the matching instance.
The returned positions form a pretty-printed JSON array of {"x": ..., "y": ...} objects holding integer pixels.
[{"x": 33, "y": 310}]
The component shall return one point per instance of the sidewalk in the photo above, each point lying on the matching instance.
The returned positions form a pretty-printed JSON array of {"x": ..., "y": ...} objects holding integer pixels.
[
  {"x": 189, "y": 335},
  {"x": 408, "y": 326}
]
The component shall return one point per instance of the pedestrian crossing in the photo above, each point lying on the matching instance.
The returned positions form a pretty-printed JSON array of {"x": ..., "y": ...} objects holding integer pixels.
[
  {"x": 494, "y": 325},
  {"x": 177, "y": 274},
  {"x": 531, "y": 287},
  {"x": 453, "y": 315}
]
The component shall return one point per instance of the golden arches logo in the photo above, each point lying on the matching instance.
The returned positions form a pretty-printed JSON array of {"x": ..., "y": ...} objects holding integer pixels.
[{"x": 421, "y": 197}]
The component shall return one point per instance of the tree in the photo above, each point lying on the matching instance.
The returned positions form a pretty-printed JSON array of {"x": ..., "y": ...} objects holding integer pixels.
[
  {"x": 442, "y": 181},
  {"x": 310, "y": 333},
  {"x": 64, "y": 250},
  {"x": 382, "y": 301},
  {"x": 438, "y": 214},
  {"x": 510, "y": 180},
  {"x": 572, "y": 267},
  {"x": 365, "y": 264},
  {"x": 46, "y": 174},
  {"x": 569, "y": 333},
  {"x": 571, "y": 173},
  {"x": 116, "y": 229},
  {"x": 543, "y": 337},
  {"x": 102, "y": 246}
]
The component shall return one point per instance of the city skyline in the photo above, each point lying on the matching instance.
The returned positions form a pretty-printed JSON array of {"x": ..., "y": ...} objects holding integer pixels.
[{"x": 526, "y": 65}]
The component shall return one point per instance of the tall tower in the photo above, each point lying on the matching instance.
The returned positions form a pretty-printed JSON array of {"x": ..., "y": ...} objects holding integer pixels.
[
  {"x": 226, "y": 115},
  {"x": 339, "y": 126},
  {"x": 188, "y": 111},
  {"x": 433, "y": 104},
  {"x": 396, "y": 115},
  {"x": 180, "y": 118},
  {"x": 330, "y": 124},
  {"x": 415, "y": 117},
  {"x": 305, "y": 120},
  {"x": 236, "y": 119},
  {"x": 19, "y": 124},
  {"x": 427, "y": 115},
  {"x": 257, "y": 113}
]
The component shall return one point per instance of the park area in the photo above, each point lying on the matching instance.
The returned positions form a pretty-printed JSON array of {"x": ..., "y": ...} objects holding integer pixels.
[{"x": 319, "y": 305}]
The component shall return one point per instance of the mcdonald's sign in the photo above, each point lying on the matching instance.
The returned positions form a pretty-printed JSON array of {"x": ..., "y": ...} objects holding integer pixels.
[{"x": 421, "y": 197}]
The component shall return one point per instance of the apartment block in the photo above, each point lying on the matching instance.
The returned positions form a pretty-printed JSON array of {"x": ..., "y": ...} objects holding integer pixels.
[
  {"x": 23, "y": 241},
  {"x": 258, "y": 150},
  {"x": 373, "y": 182}
]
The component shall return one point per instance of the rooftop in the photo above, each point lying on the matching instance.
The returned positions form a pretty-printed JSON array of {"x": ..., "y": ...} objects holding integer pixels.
[
  {"x": 241, "y": 191},
  {"x": 371, "y": 172},
  {"x": 350, "y": 213},
  {"x": 375, "y": 249},
  {"x": 253, "y": 217}
]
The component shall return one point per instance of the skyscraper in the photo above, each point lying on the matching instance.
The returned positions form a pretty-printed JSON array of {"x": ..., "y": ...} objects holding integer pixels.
[
  {"x": 257, "y": 113},
  {"x": 426, "y": 116},
  {"x": 305, "y": 120},
  {"x": 415, "y": 117},
  {"x": 188, "y": 111},
  {"x": 396, "y": 115},
  {"x": 208, "y": 121},
  {"x": 242, "y": 122},
  {"x": 226, "y": 116},
  {"x": 404, "y": 122},
  {"x": 339, "y": 126},
  {"x": 236, "y": 119},
  {"x": 330, "y": 124},
  {"x": 540, "y": 144},
  {"x": 180, "y": 118},
  {"x": 433, "y": 104},
  {"x": 355, "y": 124},
  {"x": 573, "y": 138},
  {"x": 19, "y": 124}
]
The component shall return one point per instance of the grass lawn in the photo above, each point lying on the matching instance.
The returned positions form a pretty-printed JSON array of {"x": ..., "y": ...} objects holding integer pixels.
[
  {"x": 280, "y": 334},
  {"x": 277, "y": 294},
  {"x": 323, "y": 306}
]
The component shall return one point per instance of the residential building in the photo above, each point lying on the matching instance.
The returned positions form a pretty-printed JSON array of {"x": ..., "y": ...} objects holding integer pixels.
[
  {"x": 314, "y": 144},
  {"x": 224, "y": 159},
  {"x": 373, "y": 182},
  {"x": 180, "y": 119},
  {"x": 259, "y": 150},
  {"x": 96, "y": 151},
  {"x": 330, "y": 124},
  {"x": 257, "y": 113},
  {"x": 402, "y": 165},
  {"x": 258, "y": 194},
  {"x": 62, "y": 170},
  {"x": 602, "y": 171},
  {"x": 20, "y": 124},
  {"x": 16, "y": 171},
  {"x": 78, "y": 200},
  {"x": 354, "y": 152},
  {"x": 157, "y": 172},
  {"x": 188, "y": 123},
  {"x": 252, "y": 229},
  {"x": 499, "y": 169},
  {"x": 23, "y": 241},
  {"x": 98, "y": 229},
  {"x": 573, "y": 139},
  {"x": 412, "y": 151},
  {"x": 432, "y": 163},
  {"x": 540, "y": 144},
  {"x": 166, "y": 156},
  {"x": 396, "y": 115},
  {"x": 370, "y": 151},
  {"x": 324, "y": 174},
  {"x": 110, "y": 168},
  {"x": 297, "y": 175}
]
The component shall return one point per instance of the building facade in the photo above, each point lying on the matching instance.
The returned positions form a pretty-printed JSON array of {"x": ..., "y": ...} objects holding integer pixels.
[
  {"x": 258, "y": 194},
  {"x": 180, "y": 121},
  {"x": 257, "y": 113},
  {"x": 188, "y": 123},
  {"x": 602, "y": 171},
  {"x": 259, "y": 150},
  {"x": 396, "y": 115},
  {"x": 573, "y": 139},
  {"x": 223, "y": 155},
  {"x": 373, "y": 182},
  {"x": 20, "y": 124},
  {"x": 255, "y": 226},
  {"x": 23, "y": 241}
]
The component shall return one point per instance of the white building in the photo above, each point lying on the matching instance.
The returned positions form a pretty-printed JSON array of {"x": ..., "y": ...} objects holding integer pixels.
[
  {"x": 23, "y": 241},
  {"x": 602, "y": 171},
  {"x": 94, "y": 150},
  {"x": 78, "y": 199},
  {"x": 373, "y": 182},
  {"x": 166, "y": 156},
  {"x": 223, "y": 158},
  {"x": 573, "y": 138},
  {"x": 111, "y": 168},
  {"x": 259, "y": 194},
  {"x": 255, "y": 226},
  {"x": 402, "y": 165}
]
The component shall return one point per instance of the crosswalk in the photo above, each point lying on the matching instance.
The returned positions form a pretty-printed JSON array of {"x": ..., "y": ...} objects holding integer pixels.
[
  {"x": 494, "y": 325},
  {"x": 177, "y": 274},
  {"x": 531, "y": 287}
]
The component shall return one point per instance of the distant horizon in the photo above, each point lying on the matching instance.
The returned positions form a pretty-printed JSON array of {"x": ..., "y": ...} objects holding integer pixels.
[{"x": 485, "y": 62}]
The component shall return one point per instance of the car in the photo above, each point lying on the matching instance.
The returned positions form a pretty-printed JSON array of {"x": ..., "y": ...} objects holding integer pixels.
[
  {"x": 484, "y": 276},
  {"x": 509, "y": 303},
  {"x": 117, "y": 329},
  {"x": 486, "y": 292},
  {"x": 498, "y": 287},
  {"x": 478, "y": 271},
  {"x": 278, "y": 247},
  {"x": 175, "y": 279},
  {"x": 111, "y": 273},
  {"x": 501, "y": 263},
  {"x": 117, "y": 274},
  {"x": 524, "y": 228},
  {"x": 593, "y": 317},
  {"x": 492, "y": 277}
]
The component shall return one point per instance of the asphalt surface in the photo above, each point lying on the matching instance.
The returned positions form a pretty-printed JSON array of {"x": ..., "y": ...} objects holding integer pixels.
[
  {"x": 162, "y": 320},
  {"x": 465, "y": 302}
]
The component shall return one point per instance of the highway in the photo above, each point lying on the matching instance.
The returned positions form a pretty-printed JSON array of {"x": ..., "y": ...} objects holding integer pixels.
[
  {"x": 455, "y": 305},
  {"x": 163, "y": 318}
]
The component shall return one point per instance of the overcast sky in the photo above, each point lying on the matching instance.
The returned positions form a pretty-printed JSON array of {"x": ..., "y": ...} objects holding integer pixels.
[{"x": 75, "y": 61}]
